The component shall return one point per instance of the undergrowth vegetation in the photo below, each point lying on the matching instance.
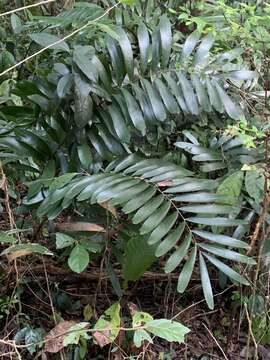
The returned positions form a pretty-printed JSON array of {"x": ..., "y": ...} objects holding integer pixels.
[{"x": 134, "y": 154}]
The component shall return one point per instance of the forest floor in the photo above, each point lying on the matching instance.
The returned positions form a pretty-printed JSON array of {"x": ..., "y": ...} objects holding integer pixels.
[{"x": 35, "y": 290}]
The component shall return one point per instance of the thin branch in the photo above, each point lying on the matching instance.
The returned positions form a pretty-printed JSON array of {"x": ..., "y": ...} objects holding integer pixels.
[
  {"x": 26, "y": 7},
  {"x": 58, "y": 41},
  {"x": 215, "y": 340},
  {"x": 250, "y": 328}
]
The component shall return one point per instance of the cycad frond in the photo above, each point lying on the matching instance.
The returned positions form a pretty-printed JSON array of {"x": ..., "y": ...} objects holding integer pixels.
[{"x": 155, "y": 194}]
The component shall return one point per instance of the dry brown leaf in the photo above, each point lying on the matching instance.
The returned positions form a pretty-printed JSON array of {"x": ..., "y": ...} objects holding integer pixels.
[
  {"x": 2, "y": 183},
  {"x": 79, "y": 226},
  {"x": 133, "y": 308},
  {"x": 55, "y": 339},
  {"x": 165, "y": 183},
  {"x": 102, "y": 337},
  {"x": 110, "y": 208},
  {"x": 69, "y": 4},
  {"x": 14, "y": 255}
]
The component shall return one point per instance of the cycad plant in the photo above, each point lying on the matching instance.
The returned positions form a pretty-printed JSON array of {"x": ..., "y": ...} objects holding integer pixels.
[{"x": 115, "y": 113}]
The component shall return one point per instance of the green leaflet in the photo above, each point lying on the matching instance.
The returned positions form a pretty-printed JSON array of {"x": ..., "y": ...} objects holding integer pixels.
[
  {"x": 127, "y": 52},
  {"x": 189, "y": 94},
  {"x": 221, "y": 239},
  {"x": 177, "y": 256},
  {"x": 16, "y": 23},
  {"x": 156, "y": 49},
  {"x": 144, "y": 44},
  {"x": 64, "y": 86},
  {"x": 199, "y": 197},
  {"x": 232, "y": 110},
  {"x": 85, "y": 155},
  {"x": 139, "y": 201},
  {"x": 163, "y": 228},
  {"x": 218, "y": 221},
  {"x": 227, "y": 270},
  {"x": 146, "y": 210},
  {"x": 228, "y": 254},
  {"x": 83, "y": 108},
  {"x": 206, "y": 284},
  {"x": 176, "y": 91},
  {"x": 82, "y": 56},
  {"x": 168, "y": 243},
  {"x": 202, "y": 52},
  {"x": 155, "y": 218},
  {"x": 119, "y": 124},
  {"x": 126, "y": 195},
  {"x": 207, "y": 209},
  {"x": 166, "y": 39},
  {"x": 186, "y": 272},
  {"x": 95, "y": 189},
  {"x": 201, "y": 93},
  {"x": 46, "y": 39},
  {"x": 214, "y": 97},
  {"x": 116, "y": 190},
  {"x": 117, "y": 59},
  {"x": 134, "y": 112},
  {"x": 7, "y": 239},
  {"x": 155, "y": 99},
  {"x": 168, "y": 99},
  {"x": 190, "y": 44}
]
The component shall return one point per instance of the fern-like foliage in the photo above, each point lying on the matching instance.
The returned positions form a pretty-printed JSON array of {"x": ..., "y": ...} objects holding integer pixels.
[
  {"x": 161, "y": 196},
  {"x": 224, "y": 152},
  {"x": 79, "y": 15},
  {"x": 114, "y": 96}
]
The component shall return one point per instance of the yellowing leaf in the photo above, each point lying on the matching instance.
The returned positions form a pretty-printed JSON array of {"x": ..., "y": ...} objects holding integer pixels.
[
  {"x": 88, "y": 312},
  {"x": 80, "y": 226},
  {"x": 54, "y": 340},
  {"x": 19, "y": 250},
  {"x": 168, "y": 330},
  {"x": 110, "y": 208},
  {"x": 108, "y": 325}
]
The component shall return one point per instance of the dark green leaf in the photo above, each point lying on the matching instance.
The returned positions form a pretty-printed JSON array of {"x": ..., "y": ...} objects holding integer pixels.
[
  {"x": 147, "y": 209},
  {"x": 221, "y": 239},
  {"x": 45, "y": 39},
  {"x": 144, "y": 45},
  {"x": 206, "y": 284},
  {"x": 227, "y": 270},
  {"x": 179, "y": 254},
  {"x": 163, "y": 228},
  {"x": 134, "y": 112},
  {"x": 228, "y": 254},
  {"x": 166, "y": 39},
  {"x": 169, "y": 242},
  {"x": 156, "y": 218},
  {"x": 186, "y": 272},
  {"x": 218, "y": 221}
]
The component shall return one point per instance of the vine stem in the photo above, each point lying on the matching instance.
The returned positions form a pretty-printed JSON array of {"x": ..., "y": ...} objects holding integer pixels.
[
  {"x": 58, "y": 41},
  {"x": 26, "y": 7}
]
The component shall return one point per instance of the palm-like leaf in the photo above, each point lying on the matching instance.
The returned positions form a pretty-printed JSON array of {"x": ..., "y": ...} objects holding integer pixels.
[{"x": 149, "y": 191}]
